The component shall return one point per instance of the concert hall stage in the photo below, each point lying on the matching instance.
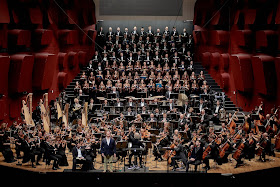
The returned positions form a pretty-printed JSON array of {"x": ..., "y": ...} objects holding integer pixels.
[{"x": 151, "y": 178}]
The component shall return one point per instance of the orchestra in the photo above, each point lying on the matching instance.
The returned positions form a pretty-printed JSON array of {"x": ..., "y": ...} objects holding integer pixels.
[{"x": 142, "y": 88}]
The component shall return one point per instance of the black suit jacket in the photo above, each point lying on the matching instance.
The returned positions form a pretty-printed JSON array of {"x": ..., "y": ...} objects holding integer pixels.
[
  {"x": 197, "y": 154},
  {"x": 75, "y": 152},
  {"x": 108, "y": 149}
]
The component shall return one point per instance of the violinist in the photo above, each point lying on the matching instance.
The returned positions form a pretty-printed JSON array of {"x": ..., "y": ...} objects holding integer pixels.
[
  {"x": 60, "y": 146},
  {"x": 180, "y": 154},
  {"x": 51, "y": 154},
  {"x": 28, "y": 151},
  {"x": 162, "y": 142}
]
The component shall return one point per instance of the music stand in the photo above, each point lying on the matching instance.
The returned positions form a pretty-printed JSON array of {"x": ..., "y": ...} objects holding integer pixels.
[
  {"x": 107, "y": 108},
  {"x": 112, "y": 116},
  {"x": 145, "y": 116},
  {"x": 119, "y": 109},
  {"x": 174, "y": 96},
  {"x": 138, "y": 124},
  {"x": 111, "y": 95},
  {"x": 153, "y": 124},
  {"x": 154, "y": 131},
  {"x": 129, "y": 118},
  {"x": 204, "y": 96},
  {"x": 96, "y": 107},
  {"x": 141, "y": 94},
  {"x": 97, "y": 135},
  {"x": 122, "y": 145}
]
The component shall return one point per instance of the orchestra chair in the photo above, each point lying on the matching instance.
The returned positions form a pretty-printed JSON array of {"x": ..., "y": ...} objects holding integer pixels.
[{"x": 197, "y": 167}]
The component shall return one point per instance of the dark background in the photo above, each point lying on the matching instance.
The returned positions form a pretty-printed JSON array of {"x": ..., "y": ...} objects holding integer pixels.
[{"x": 141, "y": 7}]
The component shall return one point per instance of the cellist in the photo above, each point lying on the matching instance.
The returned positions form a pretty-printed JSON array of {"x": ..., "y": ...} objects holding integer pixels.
[{"x": 211, "y": 152}]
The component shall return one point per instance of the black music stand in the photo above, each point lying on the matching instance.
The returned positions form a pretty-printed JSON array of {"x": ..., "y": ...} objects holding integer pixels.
[
  {"x": 174, "y": 96},
  {"x": 129, "y": 118},
  {"x": 113, "y": 116},
  {"x": 121, "y": 145},
  {"x": 107, "y": 108},
  {"x": 97, "y": 107},
  {"x": 118, "y": 109},
  {"x": 153, "y": 124},
  {"x": 111, "y": 95},
  {"x": 138, "y": 124},
  {"x": 154, "y": 131},
  {"x": 141, "y": 94}
]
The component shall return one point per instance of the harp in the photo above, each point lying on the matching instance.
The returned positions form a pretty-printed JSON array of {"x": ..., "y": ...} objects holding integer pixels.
[
  {"x": 27, "y": 110},
  {"x": 65, "y": 115},
  {"x": 85, "y": 115},
  {"x": 45, "y": 113},
  {"x": 59, "y": 111}
]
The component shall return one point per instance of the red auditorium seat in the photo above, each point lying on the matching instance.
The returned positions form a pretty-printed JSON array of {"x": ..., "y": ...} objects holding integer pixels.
[
  {"x": 215, "y": 60},
  {"x": 62, "y": 61},
  {"x": 241, "y": 67},
  {"x": 82, "y": 58},
  {"x": 224, "y": 80},
  {"x": 3, "y": 108},
  {"x": 36, "y": 15},
  {"x": 205, "y": 59},
  {"x": 224, "y": 62},
  {"x": 4, "y": 17},
  {"x": 20, "y": 73},
  {"x": 43, "y": 36},
  {"x": 219, "y": 37},
  {"x": 44, "y": 68},
  {"x": 67, "y": 37},
  {"x": 242, "y": 37},
  {"x": 4, "y": 73},
  {"x": 62, "y": 78},
  {"x": 19, "y": 37},
  {"x": 73, "y": 60},
  {"x": 264, "y": 74},
  {"x": 265, "y": 38}
]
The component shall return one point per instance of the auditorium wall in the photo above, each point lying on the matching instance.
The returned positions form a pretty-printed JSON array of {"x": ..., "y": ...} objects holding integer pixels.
[
  {"x": 180, "y": 15},
  {"x": 238, "y": 43},
  {"x": 42, "y": 49}
]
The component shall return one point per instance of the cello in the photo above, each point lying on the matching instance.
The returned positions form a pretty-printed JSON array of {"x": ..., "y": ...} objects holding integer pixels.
[
  {"x": 239, "y": 150},
  {"x": 267, "y": 126},
  {"x": 232, "y": 124},
  {"x": 257, "y": 123}
]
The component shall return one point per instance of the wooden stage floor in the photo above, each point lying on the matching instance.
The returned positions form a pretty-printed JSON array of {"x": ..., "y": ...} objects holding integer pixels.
[{"x": 226, "y": 168}]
